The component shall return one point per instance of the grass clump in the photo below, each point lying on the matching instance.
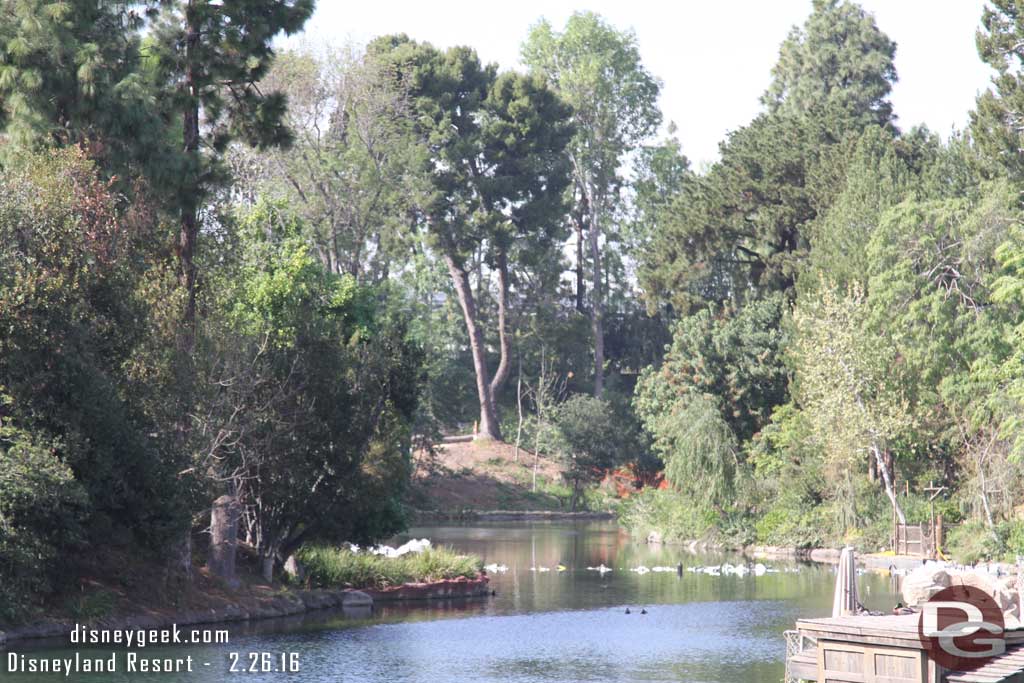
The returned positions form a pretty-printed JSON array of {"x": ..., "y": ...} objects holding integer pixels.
[{"x": 328, "y": 567}]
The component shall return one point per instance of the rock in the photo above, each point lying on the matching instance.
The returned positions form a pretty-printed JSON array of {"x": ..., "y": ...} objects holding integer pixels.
[
  {"x": 922, "y": 583},
  {"x": 356, "y": 599},
  {"x": 828, "y": 555},
  {"x": 991, "y": 585}
]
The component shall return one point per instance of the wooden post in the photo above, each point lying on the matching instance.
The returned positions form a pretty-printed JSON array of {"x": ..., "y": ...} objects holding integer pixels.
[
  {"x": 935, "y": 491},
  {"x": 895, "y": 531}
]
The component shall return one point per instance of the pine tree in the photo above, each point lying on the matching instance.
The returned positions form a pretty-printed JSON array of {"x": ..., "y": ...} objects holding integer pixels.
[
  {"x": 497, "y": 172},
  {"x": 210, "y": 56},
  {"x": 998, "y": 123},
  {"x": 839, "y": 62}
]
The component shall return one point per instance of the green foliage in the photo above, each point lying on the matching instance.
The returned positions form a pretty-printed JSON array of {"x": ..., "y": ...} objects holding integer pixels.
[
  {"x": 328, "y": 567},
  {"x": 313, "y": 394},
  {"x": 675, "y": 516},
  {"x": 994, "y": 122},
  {"x": 971, "y": 542},
  {"x": 588, "y": 439},
  {"x": 716, "y": 388},
  {"x": 598, "y": 71},
  {"x": 70, "y": 74},
  {"x": 71, "y": 267},
  {"x": 41, "y": 509},
  {"x": 732, "y": 355},
  {"x": 839, "y": 62},
  {"x": 846, "y": 380}
]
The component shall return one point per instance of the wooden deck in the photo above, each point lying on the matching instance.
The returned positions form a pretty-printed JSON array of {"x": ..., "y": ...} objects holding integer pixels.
[
  {"x": 1007, "y": 668},
  {"x": 888, "y": 648}
]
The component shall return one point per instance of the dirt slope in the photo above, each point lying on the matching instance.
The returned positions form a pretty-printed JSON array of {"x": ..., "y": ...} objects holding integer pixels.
[{"x": 474, "y": 476}]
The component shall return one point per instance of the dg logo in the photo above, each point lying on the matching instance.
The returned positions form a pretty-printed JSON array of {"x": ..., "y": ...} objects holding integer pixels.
[{"x": 962, "y": 627}]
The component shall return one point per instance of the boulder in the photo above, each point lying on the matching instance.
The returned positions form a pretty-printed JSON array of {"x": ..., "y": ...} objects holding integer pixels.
[
  {"x": 991, "y": 585},
  {"x": 356, "y": 599},
  {"x": 922, "y": 583}
]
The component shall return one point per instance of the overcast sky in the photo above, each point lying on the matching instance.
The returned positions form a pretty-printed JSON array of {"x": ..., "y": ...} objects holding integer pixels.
[{"x": 714, "y": 57}]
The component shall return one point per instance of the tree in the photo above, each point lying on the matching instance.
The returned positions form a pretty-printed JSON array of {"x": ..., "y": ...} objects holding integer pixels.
[
  {"x": 497, "y": 173},
  {"x": 588, "y": 440},
  {"x": 720, "y": 380},
  {"x": 875, "y": 175},
  {"x": 310, "y": 396},
  {"x": 839, "y": 62},
  {"x": 71, "y": 74},
  {"x": 845, "y": 382},
  {"x": 209, "y": 57},
  {"x": 75, "y": 266},
  {"x": 598, "y": 71},
  {"x": 353, "y": 171},
  {"x": 741, "y": 230},
  {"x": 998, "y": 122}
]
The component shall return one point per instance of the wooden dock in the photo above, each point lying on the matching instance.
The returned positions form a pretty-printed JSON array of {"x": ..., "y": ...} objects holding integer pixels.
[{"x": 884, "y": 649}]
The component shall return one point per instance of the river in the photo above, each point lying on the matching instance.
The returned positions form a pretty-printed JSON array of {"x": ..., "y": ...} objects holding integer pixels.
[{"x": 541, "y": 626}]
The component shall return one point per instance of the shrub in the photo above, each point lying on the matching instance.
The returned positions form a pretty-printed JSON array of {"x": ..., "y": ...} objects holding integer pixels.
[
  {"x": 670, "y": 513},
  {"x": 40, "y": 504},
  {"x": 328, "y": 567}
]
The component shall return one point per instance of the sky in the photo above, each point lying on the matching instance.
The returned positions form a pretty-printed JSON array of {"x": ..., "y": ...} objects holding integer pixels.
[{"x": 714, "y": 58}]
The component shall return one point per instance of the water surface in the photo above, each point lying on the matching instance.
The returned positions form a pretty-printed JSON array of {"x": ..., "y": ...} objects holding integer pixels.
[{"x": 541, "y": 627}]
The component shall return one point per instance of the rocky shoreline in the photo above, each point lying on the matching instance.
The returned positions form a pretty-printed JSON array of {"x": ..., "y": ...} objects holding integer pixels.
[
  {"x": 816, "y": 555},
  {"x": 512, "y": 516},
  {"x": 282, "y": 604}
]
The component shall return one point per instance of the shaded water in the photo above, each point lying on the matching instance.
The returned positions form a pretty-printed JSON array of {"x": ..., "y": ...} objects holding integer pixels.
[{"x": 541, "y": 626}]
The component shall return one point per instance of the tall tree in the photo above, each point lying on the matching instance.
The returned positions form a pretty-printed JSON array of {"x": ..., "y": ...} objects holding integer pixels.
[
  {"x": 840, "y": 62},
  {"x": 71, "y": 74},
  {"x": 497, "y": 171},
  {"x": 353, "y": 170},
  {"x": 598, "y": 71},
  {"x": 998, "y": 122},
  {"x": 209, "y": 58},
  {"x": 740, "y": 231},
  {"x": 846, "y": 384}
]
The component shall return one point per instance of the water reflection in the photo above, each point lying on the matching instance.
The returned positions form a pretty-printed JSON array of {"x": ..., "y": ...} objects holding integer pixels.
[{"x": 548, "y": 626}]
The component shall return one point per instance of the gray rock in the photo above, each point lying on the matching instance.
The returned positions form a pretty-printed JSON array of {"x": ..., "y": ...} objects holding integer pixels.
[
  {"x": 922, "y": 583},
  {"x": 991, "y": 585},
  {"x": 356, "y": 599}
]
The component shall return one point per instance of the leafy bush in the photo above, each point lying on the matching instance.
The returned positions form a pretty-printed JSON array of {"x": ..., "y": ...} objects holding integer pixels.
[
  {"x": 588, "y": 439},
  {"x": 328, "y": 567},
  {"x": 971, "y": 542},
  {"x": 670, "y": 513},
  {"x": 40, "y": 505}
]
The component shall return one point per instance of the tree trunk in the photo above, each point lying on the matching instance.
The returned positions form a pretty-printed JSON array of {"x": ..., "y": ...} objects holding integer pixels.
[
  {"x": 224, "y": 538},
  {"x": 267, "y": 568},
  {"x": 519, "y": 410},
  {"x": 488, "y": 428},
  {"x": 189, "y": 232},
  {"x": 597, "y": 299},
  {"x": 505, "y": 344},
  {"x": 887, "y": 479},
  {"x": 578, "y": 226}
]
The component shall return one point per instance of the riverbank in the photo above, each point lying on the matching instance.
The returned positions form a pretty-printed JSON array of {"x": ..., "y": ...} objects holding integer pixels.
[
  {"x": 512, "y": 516},
  {"x": 258, "y": 604}
]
